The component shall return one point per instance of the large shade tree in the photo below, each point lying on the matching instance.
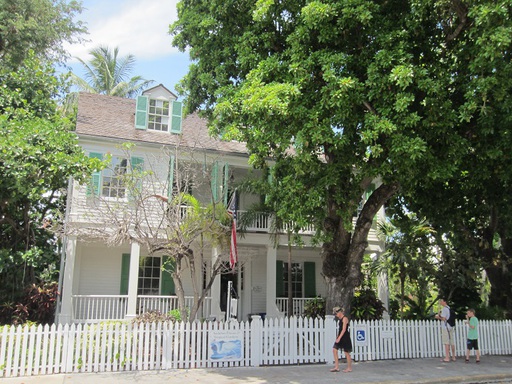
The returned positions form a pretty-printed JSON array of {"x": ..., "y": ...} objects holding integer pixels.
[
  {"x": 38, "y": 155},
  {"x": 41, "y": 26},
  {"x": 474, "y": 207},
  {"x": 361, "y": 90}
]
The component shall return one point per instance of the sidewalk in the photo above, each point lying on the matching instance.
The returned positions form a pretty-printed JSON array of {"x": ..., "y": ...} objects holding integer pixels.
[{"x": 492, "y": 369}]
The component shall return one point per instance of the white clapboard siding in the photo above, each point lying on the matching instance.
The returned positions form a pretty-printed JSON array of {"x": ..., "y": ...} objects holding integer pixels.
[{"x": 122, "y": 346}]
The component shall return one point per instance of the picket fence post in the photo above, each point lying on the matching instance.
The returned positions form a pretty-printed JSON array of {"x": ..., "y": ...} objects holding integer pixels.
[
  {"x": 329, "y": 337},
  {"x": 256, "y": 325}
]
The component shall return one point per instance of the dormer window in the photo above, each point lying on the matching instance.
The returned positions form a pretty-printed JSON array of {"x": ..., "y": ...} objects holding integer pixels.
[
  {"x": 156, "y": 110},
  {"x": 158, "y": 115}
]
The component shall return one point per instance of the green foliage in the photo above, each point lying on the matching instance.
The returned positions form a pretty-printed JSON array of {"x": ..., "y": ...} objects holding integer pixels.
[
  {"x": 366, "y": 306},
  {"x": 410, "y": 92},
  {"x": 38, "y": 155},
  {"x": 37, "y": 306},
  {"x": 315, "y": 308},
  {"x": 491, "y": 313},
  {"x": 175, "y": 314},
  {"x": 155, "y": 317},
  {"x": 38, "y": 25}
]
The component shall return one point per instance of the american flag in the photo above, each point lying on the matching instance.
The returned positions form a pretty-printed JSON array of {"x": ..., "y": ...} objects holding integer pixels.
[{"x": 233, "y": 252}]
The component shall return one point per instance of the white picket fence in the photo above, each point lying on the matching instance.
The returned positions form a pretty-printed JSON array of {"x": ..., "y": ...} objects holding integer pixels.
[{"x": 117, "y": 346}]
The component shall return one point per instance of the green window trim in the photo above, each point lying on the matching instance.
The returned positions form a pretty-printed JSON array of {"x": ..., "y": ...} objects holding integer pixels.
[
  {"x": 309, "y": 279},
  {"x": 141, "y": 112},
  {"x": 279, "y": 278},
  {"x": 137, "y": 166},
  {"x": 176, "y": 116},
  {"x": 125, "y": 274},
  {"x": 94, "y": 187},
  {"x": 215, "y": 181},
  {"x": 270, "y": 180},
  {"x": 171, "y": 176},
  {"x": 167, "y": 287},
  {"x": 225, "y": 184}
]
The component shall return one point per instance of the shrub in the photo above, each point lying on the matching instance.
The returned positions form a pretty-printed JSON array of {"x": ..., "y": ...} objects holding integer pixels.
[
  {"x": 315, "y": 308},
  {"x": 37, "y": 305},
  {"x": 366, "y": 306},
  {"x": 490, "y": 313},
  {"x": 41, "y": 301},
  {"x": 152, "y": 317}
]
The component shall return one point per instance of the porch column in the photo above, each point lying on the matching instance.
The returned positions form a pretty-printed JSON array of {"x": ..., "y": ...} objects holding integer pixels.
[
  {"x": 383, "y": 289},
  {"x": 66, "y": 304},
  {"x": 133, "y": 279},
  {"x": 271, "y": 307},
  {"x": 215, "y": 290}
]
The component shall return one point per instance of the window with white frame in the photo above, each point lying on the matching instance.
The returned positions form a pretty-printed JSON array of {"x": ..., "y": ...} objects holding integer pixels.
[
  {"x": 149, "y": 276},
  {"x": 158, "y": 115},
  {"x": 297, "y": 280},
  {"x": 112, "y": 183}
]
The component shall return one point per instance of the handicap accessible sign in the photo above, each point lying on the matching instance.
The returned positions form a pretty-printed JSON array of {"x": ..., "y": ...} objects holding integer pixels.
[{"x": 361, "y": 335}]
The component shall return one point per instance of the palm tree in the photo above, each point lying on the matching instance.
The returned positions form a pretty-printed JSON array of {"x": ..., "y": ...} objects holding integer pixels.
[{"x": 107, "y": 74}]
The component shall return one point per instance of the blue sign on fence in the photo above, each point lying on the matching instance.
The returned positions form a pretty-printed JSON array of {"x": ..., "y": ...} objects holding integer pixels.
[{"x": 360, "y": 335}]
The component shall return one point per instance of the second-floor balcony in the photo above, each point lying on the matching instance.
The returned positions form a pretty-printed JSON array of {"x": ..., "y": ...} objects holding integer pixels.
[{"x": 261, "y": 222}]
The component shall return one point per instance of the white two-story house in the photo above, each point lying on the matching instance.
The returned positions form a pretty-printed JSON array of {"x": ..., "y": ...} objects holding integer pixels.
[{"x": 105, "y": 281}]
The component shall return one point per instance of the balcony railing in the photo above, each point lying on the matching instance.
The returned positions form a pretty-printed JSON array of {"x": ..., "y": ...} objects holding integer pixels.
[
  {"x": 95, "y": 308},
  {"x": 262, "y": 222}
]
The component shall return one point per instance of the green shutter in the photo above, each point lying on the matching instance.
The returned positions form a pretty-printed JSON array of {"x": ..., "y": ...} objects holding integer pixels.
[
  {"x": 167, "y": 284},
  {"x": 94, "y": 187},
  {"x": 171, "y": 177},
  {"x": 279, "y": 278},
  {"x": 270, "y": 181},
  {"x": 309, "y": 279},
  {"x": 215, "y": 181},
  {"x": 137, "y": 166},
  {"x": 225, "y": 184},
  {"x": 176, "y": 116},
  {"x": 125, "y": 274},
  {"x": 141, "y": 112}
]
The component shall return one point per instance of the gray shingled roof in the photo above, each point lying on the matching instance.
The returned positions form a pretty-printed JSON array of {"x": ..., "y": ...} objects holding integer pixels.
[{"x": 113, "y": 118}]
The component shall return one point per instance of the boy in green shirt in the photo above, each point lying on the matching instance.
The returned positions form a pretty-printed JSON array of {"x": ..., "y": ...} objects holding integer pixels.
[{"x": 472, "y": 323}]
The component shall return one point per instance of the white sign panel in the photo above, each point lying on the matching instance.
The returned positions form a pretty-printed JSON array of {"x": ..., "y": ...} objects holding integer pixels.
[
  {"x": 226, "y": 345},
  {"x": 386, "y": 334}
]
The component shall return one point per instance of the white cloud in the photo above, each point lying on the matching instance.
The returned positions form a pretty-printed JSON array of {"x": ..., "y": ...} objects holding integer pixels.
[{"x": 139, "y": 28}]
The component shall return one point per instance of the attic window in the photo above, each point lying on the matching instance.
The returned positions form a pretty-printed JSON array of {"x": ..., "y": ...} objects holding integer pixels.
[{"x": 158, "y": 115}]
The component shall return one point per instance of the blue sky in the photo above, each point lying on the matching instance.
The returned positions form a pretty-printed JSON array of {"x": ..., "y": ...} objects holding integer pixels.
[{"x": 139, "y": 28}]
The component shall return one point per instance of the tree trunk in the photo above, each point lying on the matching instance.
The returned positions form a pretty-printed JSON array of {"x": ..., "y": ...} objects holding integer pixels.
[
  {"x": 500, "y": 277},
  {"x": 342, "y": 257},
  {"x": 180, "y": 292}
]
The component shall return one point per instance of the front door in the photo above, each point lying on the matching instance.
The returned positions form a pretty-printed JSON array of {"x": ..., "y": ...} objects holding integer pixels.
[{"x": 224, "y": 279}]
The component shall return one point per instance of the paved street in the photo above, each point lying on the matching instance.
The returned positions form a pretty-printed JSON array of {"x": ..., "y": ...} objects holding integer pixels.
[{"x": 492, "y": 369}]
